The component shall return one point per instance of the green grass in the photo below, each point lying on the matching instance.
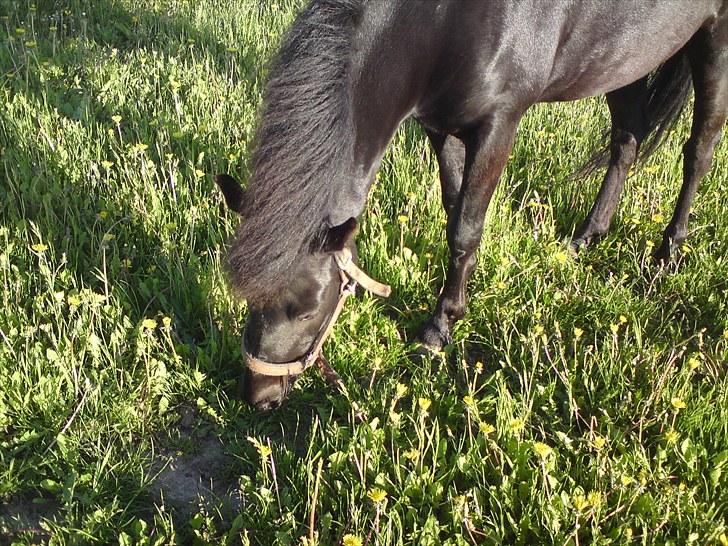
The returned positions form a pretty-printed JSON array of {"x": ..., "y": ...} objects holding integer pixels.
[{"x": 555, "y": 418}]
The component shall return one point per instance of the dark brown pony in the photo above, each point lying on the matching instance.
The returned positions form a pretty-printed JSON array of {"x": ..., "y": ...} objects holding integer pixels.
[{"x": 349, "y": 72}]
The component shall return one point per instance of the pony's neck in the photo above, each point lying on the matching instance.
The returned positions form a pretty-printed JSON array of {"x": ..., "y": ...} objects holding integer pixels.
[{"x": 380, "y": 99}]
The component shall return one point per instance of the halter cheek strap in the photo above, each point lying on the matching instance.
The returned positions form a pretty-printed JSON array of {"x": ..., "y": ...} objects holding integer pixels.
[{"x": 350, "y": 275}]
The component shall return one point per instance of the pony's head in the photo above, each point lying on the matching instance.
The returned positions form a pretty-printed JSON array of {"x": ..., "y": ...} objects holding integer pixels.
[{"x": 286, "y": 328}]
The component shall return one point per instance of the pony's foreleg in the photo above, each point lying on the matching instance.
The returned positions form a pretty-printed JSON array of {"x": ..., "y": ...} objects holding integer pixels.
[
  {"x": 626, "y": 106},
  {"x": 486, "y": 152},
  {"x": 450, "y": 152},
  {"x": 708, "y": 53}
]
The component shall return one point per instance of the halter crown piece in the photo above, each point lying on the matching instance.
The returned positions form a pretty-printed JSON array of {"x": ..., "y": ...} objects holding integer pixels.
[{"x": 350, "y": 275}]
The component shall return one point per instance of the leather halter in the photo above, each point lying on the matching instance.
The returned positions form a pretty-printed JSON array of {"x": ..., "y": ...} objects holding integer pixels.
[{"x": 350, "y": 275}]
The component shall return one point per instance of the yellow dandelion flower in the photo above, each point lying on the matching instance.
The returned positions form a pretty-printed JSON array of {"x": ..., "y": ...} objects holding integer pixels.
[
  {"x": 401, "y": 390},
  {"x": 594, "y": 498},
  {"x": 501, "y": 285},
  {"x": 103, "y": 215},
  {"x": 623, "y": 319},
  {"x": 149, "y": 324},
  {"x": 377, "y": 495},
  {"x": 478, "y": 367},
  {"x": 693, "y": 363},
  {"x": 199, "y": 173},
  {"x": 486, "y": 428},
  {"x": 625, "y": 480},
  {"x": 109, "y": 237},
  {"x": 538, "y": 330},
  {"x": 561, "y": 257},
  {"x": 116, "y": 119},
  {"x": 107, "y": 164},
  {"x": 599, "y": 442},
  {"x": 351, "y": 540},
  {"x": 424, "y": 404},
  {"x": 402, "y": 218},
  {"x": 73, "y": 301},
  {"x": 725, "y": 333},
  {"x": 542, "y": 450},
  {"x": 40, "y": 247},
  {"x": 469, "y": 400},
  {"x": 516, "y": 425},
  {"x": 614, "y": 328},
  {"x": 578, "y": 332},
  {"x": 412, "y": 454},
  {"x": 579, "y": 501},
  {"x": 723, "y": 539},
  {"x": 671, "y": 436},
  {"x": 31, "y": 44},
  {"x": 677, "y": 403},
  {"x": 657, "y": 218},
  {"x": 167, "y": 321}
]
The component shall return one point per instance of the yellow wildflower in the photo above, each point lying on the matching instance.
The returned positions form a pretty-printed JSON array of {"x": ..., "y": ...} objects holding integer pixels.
[
  {"x": 149, "y": 324},
  {"x": 403, "y": 218},
  {"x": 116, "y": 119},
  {"x": 401, "y": 390},
  {"x": 351, "y": 540},
  {"x": 599, "y": 442},
  {"x": 486, "y": 428},
  {"x": 542, "y": 450},
  {"x": 579, "y": 501},
  {"x": 671, "y": 436},
  {"x": 412, "y": 454},
  {"x": 625, "y": 480},
  {"x": 40, "y": 247},
  {"x": 677, "y": 403},
  {"x": 469, "y": 400},
  {"x": 578, "y": 332},
  {"x": 594, "y": 498},
  {"x": 424, "y": 404},
  {"x": 377, "y": 495},
  {"x": 516, "y": 425},
  {"x": 561, "y": 257}
]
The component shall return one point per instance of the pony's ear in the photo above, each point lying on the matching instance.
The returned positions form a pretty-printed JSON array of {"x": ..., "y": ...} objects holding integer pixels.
[
  {"x": 231, "y": 191},
  {"x": 339, "y": 237}
]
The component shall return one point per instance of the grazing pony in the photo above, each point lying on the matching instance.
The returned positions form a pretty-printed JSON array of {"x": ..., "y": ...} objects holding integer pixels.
[{"x": 349, "y": 72}]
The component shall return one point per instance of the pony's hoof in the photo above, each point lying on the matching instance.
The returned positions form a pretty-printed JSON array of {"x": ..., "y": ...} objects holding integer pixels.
[
  {"x": 577, "y": 245},
  {"x": 434, "y": 338},
  {"x": 666, "y": 254}
]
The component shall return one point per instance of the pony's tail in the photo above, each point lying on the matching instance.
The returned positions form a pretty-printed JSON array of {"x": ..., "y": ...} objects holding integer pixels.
[{"x": 667, "y": 93}]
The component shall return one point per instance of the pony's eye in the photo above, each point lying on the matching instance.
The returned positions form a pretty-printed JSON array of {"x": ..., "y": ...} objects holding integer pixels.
[{"x": 305, "y": 317}]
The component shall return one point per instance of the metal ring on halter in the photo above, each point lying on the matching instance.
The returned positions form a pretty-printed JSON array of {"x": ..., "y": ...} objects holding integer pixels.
[{"x": 351, "y": 275}]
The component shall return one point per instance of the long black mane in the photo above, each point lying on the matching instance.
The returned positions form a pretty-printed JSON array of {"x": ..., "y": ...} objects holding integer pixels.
[{"x": 304, "y": 137}]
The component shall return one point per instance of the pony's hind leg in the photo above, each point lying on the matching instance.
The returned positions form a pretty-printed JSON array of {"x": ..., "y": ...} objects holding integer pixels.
[
  {"x": 486, "y": 152},
  {"x": 708, "y": 54},
  {"x": 629, "y": 128}
]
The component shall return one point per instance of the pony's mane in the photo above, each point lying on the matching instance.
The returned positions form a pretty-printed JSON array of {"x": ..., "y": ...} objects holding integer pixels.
[{"x": 304, "y": 136}]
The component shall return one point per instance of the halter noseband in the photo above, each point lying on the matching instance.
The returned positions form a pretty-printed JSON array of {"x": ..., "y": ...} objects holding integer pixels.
[{"x": 350, "y": 275}]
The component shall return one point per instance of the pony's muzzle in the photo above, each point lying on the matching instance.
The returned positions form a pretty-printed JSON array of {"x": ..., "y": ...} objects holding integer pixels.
[{"x": 265, "y": 392}]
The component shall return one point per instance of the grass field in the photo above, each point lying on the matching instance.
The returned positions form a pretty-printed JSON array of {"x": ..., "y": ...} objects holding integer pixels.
[{"x": 584, "y": 401}]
